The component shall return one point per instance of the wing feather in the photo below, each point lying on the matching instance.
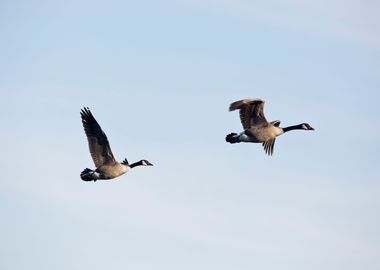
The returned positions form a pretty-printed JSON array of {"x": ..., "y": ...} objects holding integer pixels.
[
  {"x": 251, "y": 112},
  {"x": 269, "y": 146},
  {"x": 98, "y": 144}
]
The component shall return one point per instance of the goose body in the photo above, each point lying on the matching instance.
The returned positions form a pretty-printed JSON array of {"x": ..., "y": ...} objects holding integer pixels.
[
  {"x": 256, "y": 127},
  {"x": 106, "y": 165}
]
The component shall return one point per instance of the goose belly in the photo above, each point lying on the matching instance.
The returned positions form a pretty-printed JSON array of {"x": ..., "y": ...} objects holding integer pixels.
[
  {"x": 264, "y": 134},
  {"x": 112, "y": 171}
]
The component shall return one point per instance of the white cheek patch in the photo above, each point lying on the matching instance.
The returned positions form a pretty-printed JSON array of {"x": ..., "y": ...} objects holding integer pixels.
[
  {"x": 304, "y": 127},
  {"x": 144, "y": 163}
]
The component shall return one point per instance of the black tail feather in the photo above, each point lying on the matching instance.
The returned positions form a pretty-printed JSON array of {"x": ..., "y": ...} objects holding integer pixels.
[
  {"x": 87, "y": 175},
  {"x": 232, "y": 138}
]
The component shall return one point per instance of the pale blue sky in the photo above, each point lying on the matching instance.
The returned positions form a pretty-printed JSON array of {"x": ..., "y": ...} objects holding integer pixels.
[{"x": 159, "y": 76}]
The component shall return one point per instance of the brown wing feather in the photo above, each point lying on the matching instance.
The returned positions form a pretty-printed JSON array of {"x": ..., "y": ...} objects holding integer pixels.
[
  {"x": 251, "y": 112},
  {"x": 98, "y": 144},
  {"x": 245, "y": 116},
  {"x": 269, "y": 146}
]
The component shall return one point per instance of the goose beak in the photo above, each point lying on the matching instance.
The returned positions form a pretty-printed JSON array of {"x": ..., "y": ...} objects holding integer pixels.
[
  {"x": 149, "y": 164},
  {"x": 311, "y": 128}
]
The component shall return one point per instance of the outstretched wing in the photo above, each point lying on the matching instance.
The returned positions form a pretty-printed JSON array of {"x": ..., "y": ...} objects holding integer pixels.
[
  {"x": 97, "y": 140},
  {"x": 276, "y": 123},
  {"x": 251, "y": 112},
  {"x": 269, "y": 146}
]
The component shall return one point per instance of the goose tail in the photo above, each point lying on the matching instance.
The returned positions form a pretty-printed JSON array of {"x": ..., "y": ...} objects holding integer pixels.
[
  {"x": 232, "y": 138},
  {"x": 88, "y": 175}
]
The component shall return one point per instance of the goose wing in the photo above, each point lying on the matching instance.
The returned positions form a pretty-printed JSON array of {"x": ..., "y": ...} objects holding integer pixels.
[
  {"x": 97, "y": 140},
  {"x": 251, "y": 112},
  {"x": 269, "y": 146}
]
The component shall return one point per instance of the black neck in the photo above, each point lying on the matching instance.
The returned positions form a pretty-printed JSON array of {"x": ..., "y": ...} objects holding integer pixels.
[
  {"x": 286, "y": 129},
  {"x": 138, "y": 163}
]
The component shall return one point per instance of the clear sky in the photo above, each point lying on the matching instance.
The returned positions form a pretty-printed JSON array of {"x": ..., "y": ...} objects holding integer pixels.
[{"x": 159, "y": 76}]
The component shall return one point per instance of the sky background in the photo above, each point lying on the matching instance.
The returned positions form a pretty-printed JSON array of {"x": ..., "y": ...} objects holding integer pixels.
[{"x": 159, "y": 76}]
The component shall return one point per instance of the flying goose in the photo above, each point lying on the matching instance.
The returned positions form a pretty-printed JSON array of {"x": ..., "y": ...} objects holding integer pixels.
[
  {"x": 256, "y": 127},
  {"x": 106, "y": 165}
]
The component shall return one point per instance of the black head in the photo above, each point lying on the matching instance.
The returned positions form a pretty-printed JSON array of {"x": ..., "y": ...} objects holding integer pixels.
[
  {"x": 306, "y": 126},
  {"x": 144, "y": 162}
]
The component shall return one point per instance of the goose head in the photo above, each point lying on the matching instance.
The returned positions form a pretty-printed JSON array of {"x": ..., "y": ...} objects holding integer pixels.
[
  {"x": 144, "y": 162},
  {"x": 306, "y": 126}
]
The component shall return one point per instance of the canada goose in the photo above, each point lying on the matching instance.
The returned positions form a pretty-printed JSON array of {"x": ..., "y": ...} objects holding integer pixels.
[
  {"x": 256, "y": 127},
  {"x": 106, "y": 165}
]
